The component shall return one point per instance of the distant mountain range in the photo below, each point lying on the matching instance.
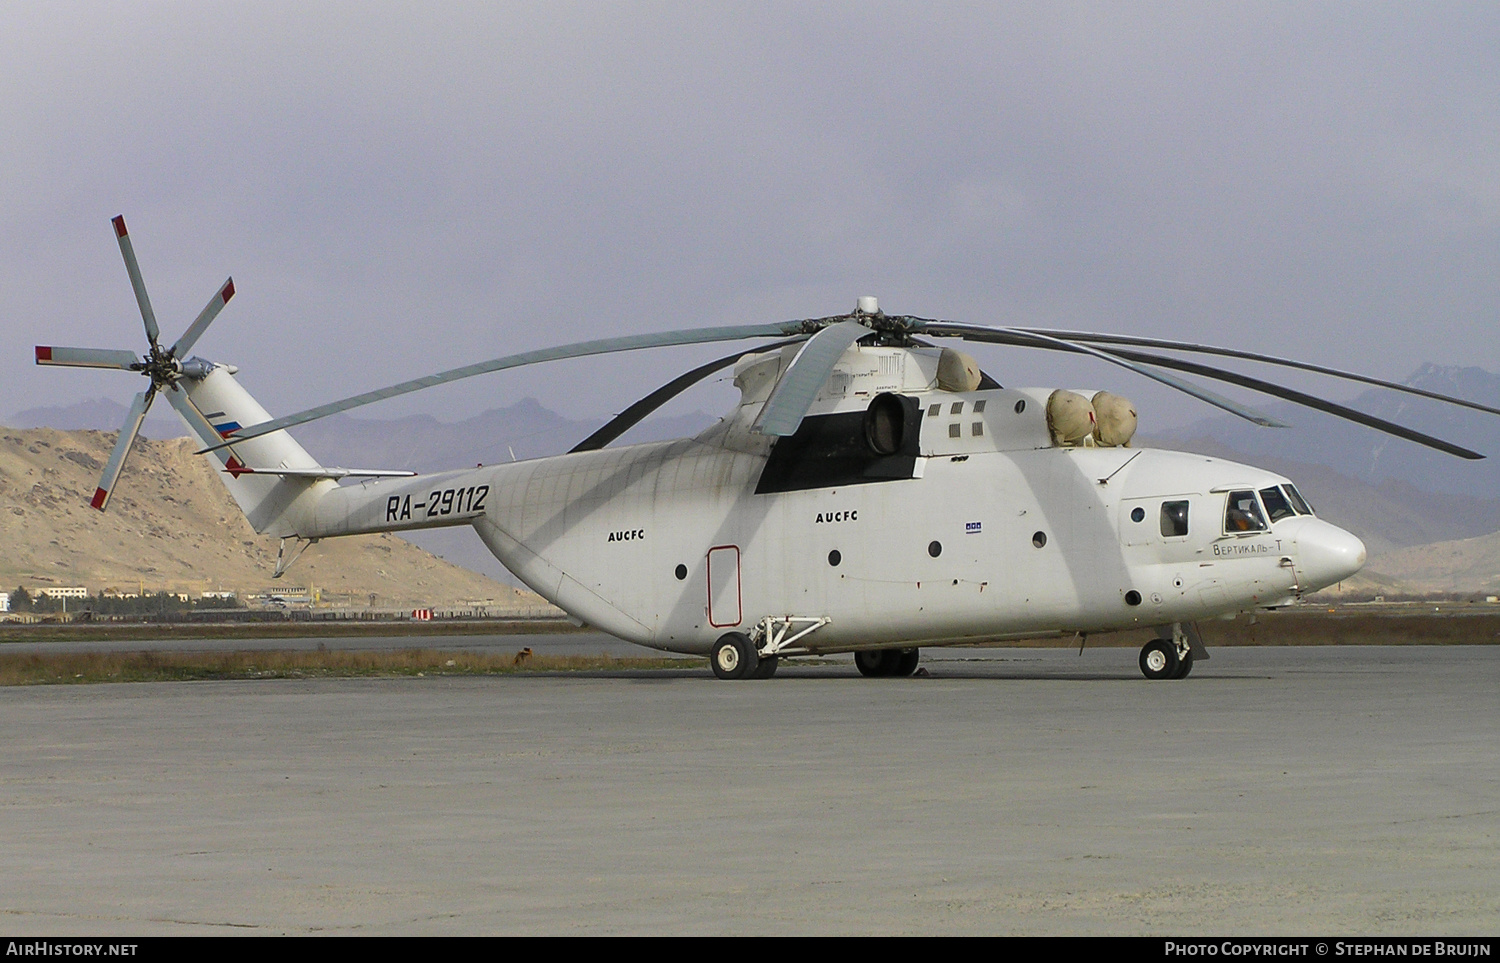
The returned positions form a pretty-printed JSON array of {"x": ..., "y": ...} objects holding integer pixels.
[{"x": 415, "y": 443}]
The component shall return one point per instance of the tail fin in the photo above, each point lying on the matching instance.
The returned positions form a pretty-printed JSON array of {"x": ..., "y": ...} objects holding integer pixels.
[{"x": 213, "y": 406}]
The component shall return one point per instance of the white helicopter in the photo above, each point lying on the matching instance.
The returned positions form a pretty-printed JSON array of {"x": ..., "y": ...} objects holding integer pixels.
[{"x": 869, "y": 493}]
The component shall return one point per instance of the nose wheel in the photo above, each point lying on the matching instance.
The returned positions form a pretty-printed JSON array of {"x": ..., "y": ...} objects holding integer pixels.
[{"x": 1160, "y": 660}]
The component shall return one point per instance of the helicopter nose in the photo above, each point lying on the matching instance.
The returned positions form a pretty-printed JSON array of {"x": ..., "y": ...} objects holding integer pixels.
[{"x": 1326, "y": 554}]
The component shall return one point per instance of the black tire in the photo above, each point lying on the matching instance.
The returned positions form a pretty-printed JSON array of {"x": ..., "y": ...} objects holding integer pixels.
[
  {"x": 906, "y": 662},
  {"x": 1184, "y": 666},
  {"x": 1159, "y": 659},
  {"x": 733, "y": 657},
  {"x": 766, "y": 668},
  {"x": 876, "y": 663}
]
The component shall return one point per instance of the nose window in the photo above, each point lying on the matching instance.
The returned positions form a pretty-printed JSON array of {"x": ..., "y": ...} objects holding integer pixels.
[
  {"x": 1276, "y": 504},
  {"x": 1174, "y": 519},
  {"x": 1242, "y": 514}
]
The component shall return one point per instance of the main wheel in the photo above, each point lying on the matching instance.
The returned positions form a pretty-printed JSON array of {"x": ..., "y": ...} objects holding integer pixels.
[
  {"x": 766, "y": 668},
  {"x": 906, "y": 662},
  {"x": 875, "y": 663},
  {"x": 733, "y": 656},
  {"x": 1159, "y": 659},
  {"x": 1184, "y": 666}
]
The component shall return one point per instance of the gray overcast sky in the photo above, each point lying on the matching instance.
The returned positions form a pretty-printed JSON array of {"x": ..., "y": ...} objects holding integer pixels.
[{"x": 400, "y": 189}]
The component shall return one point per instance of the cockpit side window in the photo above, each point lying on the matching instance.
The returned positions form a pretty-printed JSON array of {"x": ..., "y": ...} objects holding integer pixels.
[
  {"x": 1298, "y": 502},
  {"x": 1174, "y": 519},
  {"x": 1242, "y": 513},
  {"x": 1276, "y": 504}
]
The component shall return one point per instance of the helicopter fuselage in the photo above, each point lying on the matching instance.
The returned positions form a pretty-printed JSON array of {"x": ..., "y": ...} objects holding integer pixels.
[{"x": 979, "y": 527}]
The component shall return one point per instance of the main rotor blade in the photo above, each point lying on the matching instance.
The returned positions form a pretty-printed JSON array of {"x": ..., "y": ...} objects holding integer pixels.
[
  {"x": 637, "y": 412},
  {"x": 1298, "y": 397},
  {"x": 1032, "y": 339},
  {"x": 123, "y": 444},
  {"x": 1093, "y": 338},
  {"x": 200, "y": 324},
  {"x": 800, "y": 382},
  {"x": 578, "y": 350},
  {"x": 128, "y": 251},
  {"x": 87, "y": 357},
  {"x": 1231, "y": 377}
]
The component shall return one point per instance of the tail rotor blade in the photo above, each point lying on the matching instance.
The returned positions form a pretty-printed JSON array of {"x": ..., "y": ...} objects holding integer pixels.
[
  {"x": 128, "y": 432},
  {"x": 205, "y": 431},
  {"x": 128, "y": 251},
  {"x": 87, "y": 357},
  {"x": 205, "y": 317}
]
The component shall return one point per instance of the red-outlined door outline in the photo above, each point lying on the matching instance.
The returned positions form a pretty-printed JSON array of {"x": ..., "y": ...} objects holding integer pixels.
[{"x": 724, "y": 586}]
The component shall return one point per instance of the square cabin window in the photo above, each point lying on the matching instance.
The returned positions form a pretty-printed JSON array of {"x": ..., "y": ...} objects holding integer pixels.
[
  {"x": 955, "y": 430},
  {"x": 1174, "y": 519}
]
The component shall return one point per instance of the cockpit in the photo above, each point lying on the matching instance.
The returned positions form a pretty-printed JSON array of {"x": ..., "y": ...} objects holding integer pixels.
[{"x": 1250, "y": 511}]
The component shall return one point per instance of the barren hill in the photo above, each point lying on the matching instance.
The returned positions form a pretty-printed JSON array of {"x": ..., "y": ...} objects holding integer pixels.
[
  {"x": 1462, "y": 565},
  {"x": 172, "y": 525}
]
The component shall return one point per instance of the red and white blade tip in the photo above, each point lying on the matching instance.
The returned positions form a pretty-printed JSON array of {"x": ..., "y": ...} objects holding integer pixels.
[
  {"x": 119, "y": 223},
  {"x": 43, "y": 354},
  {"x": 100, "y": 497},
  {"x": 228, "y": 291}
]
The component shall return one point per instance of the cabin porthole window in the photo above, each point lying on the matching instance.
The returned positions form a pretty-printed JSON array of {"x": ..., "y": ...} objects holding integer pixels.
[
  {"x": 681, "y": 573},
  {"x": 1137, "y": 514},
  {"x": 934, "y": 549},
  {"x": 1132, "y": 597},
  {"x": 834, "y": 558},
  {"x": 1020, "y": 406},
  {"x": 1039, "y": 539}
]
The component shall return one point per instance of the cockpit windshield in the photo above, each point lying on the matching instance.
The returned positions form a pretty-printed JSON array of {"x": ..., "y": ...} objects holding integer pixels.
[
  {"x": 1276, "y": 504},
  {"x": 1242, "y": 513},
  {"x": 1298, "y": 502}
]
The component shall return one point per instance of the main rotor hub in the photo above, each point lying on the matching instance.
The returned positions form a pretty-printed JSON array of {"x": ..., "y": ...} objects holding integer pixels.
[{"x": 161, "y": 368}]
